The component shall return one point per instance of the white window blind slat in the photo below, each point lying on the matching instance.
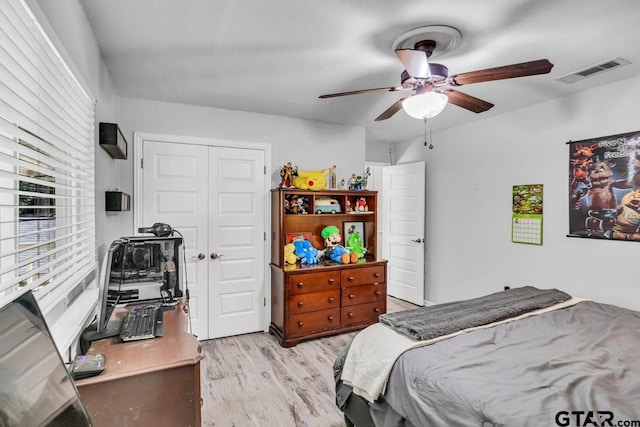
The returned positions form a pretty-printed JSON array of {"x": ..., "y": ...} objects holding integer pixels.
[{"x": 47, "y": 173}]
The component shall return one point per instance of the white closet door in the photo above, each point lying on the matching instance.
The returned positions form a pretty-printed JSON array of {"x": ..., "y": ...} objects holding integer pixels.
[
  {"x": 174, "y": 191},
  {"x": 237, "y": 235}
]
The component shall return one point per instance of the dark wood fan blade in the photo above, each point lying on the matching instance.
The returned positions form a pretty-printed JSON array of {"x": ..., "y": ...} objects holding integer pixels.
[
  {"x": 466, "y": 101},
  {"x": 395, "y": 107},
  {"x": 357, "y": 92},
  {"x": 541, "y": 66},
  {"x": 415, "y": 62}
]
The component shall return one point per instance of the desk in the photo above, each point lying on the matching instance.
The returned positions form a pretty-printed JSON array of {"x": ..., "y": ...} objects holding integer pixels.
[{"x": 149, "y": 382}]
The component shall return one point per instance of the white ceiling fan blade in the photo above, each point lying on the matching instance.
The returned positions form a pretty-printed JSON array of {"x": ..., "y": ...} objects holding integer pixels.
[{"x": 415, "y": 62}]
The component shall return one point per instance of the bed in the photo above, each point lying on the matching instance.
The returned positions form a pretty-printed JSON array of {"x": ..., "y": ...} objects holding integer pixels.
[{"x": 504, "y": 359}]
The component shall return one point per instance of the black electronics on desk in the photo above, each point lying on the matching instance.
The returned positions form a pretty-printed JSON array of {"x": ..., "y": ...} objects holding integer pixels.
[{"x": 135, "y": 270}]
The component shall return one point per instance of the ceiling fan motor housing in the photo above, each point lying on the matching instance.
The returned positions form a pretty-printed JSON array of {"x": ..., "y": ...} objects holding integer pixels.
[{"x": 439, "y": 74}]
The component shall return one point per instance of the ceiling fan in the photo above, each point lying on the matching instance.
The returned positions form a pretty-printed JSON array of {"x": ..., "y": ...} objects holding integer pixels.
[{"x": 423, "y": 77}]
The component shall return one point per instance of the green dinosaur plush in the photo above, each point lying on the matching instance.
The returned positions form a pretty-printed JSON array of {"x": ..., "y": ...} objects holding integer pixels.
[{"x": 354, "y": 244}]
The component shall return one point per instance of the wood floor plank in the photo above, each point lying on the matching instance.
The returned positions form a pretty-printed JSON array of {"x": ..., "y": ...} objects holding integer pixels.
[{"x": 249, "y": 380}]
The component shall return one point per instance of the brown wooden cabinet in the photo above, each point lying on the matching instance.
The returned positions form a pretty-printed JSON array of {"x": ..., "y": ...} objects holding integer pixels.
[
  {"x": 153, "y": 382},
  {"x": 315, "y": 300}
]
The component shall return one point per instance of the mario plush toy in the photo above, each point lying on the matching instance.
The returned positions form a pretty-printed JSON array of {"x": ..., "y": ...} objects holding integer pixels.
[{"x": 333, "y": 249}]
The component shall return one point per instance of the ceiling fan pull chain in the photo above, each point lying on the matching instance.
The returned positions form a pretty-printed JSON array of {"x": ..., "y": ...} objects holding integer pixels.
[
  {"x": 425, "y": 132},
  {"x": 430, "y": 137}
]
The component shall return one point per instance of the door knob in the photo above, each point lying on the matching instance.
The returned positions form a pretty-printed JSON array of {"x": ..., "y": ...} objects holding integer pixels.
[
  {"x": 418, "y": 240},
  {"x": 215, "y": 255},
  {"x": 199, "y": 256}
]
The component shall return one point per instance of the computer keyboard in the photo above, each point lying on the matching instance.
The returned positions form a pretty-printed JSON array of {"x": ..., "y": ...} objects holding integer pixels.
[{"x": 142, "y": 323}]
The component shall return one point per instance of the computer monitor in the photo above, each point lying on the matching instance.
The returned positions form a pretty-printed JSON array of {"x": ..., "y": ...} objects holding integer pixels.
[
  {"x": 106, "y": 305},
  {"x": 134, "y": 269},
  {"x": 35, "y": 386}
]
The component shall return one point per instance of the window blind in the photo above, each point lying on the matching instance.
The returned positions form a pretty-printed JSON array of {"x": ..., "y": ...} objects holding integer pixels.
[{"x": 47, "y": 181}]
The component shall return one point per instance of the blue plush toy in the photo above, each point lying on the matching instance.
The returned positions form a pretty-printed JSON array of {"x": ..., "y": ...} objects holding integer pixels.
[{"x": 305, "y": 250}]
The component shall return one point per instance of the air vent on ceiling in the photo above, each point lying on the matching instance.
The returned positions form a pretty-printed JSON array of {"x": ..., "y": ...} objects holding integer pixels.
[{"x": 593, "y": 70}]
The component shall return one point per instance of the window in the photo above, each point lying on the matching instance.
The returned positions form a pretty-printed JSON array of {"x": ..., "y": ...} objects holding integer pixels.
[{"x": 47, "y": 187}]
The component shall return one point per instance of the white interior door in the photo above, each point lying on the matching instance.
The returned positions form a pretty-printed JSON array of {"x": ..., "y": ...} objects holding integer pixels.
[
  {"x": 403, "y": 218},
  {"x": 237, "y": 236},
  {"x": 174, "y": 191},
  {"x": 215, "y": 197}
]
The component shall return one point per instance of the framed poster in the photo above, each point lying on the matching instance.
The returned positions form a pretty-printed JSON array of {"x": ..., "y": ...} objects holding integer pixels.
[
  {"x": 604, "y": 187},
  {"x": 351, "y": 227},
  {"x": 526, "y": 218}
]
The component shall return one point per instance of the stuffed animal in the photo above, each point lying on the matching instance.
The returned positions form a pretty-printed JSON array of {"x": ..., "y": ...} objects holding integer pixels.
[
  {"x": 290, "y": 254},
  {"x": 333, "y": 249},
  {"x": 305, "y": 251},
  {"x": 354, "y": 244},
  {"x": 361, "y": 205},
  {"x": 315, "y": 180}
]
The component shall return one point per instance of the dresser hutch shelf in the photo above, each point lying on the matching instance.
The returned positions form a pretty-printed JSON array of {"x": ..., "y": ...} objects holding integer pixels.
[{"x": 315, "y": 300}]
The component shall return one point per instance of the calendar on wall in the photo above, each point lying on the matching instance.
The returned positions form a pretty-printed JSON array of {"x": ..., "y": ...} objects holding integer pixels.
[{"x": 526, "y": 219}]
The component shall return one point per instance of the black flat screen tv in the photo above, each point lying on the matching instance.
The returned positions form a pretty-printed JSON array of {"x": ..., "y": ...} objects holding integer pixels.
[{"x": 35, "y": 386}]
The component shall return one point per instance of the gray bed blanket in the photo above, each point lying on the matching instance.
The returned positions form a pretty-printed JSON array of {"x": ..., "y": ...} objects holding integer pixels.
[
  {"x": 543, "y": 370},
  {"x": 433, "y": 321}
]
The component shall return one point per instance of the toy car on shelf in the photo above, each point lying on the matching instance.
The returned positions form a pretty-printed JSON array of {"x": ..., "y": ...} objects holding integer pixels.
[{"x": 326, "y": 205}]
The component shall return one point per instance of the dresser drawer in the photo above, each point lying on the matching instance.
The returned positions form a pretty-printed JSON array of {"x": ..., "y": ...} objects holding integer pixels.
[
  {"x": 300, "y": 324},
  {"x": 363, "y": 276},
  {"x": 314, "y": 282},
  {"x": 362, "y": 313},
  {"x": 363, "y": 294},
  {"x": 314, "y": 301}
]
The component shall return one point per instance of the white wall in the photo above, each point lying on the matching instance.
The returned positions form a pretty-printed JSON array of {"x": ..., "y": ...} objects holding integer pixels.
[
  {"x": 307, "y": 144},
  {"x": 470, "y": 174}
]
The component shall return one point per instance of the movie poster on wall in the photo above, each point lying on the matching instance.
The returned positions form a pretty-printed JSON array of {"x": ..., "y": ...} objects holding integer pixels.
[{"x": 604, "y": 187}]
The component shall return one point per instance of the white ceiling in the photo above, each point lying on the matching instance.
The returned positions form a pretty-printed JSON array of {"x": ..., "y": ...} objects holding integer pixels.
[{"x": 277, "y": 56}]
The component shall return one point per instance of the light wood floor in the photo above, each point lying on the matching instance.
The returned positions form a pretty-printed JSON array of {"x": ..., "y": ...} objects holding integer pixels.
[{"x": 249, "y": 380}]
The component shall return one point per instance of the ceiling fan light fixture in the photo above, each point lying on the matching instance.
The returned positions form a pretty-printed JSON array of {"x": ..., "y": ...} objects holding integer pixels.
[{"x": 426, "y": 105}]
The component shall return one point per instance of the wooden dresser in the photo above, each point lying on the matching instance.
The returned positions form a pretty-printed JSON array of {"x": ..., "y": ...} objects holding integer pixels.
[
  {"x": 315, "y": 300},
  {"x": 154, "y": 382}
]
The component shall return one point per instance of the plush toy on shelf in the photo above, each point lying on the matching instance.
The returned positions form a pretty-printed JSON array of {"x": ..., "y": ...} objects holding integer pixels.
[
  {"x": 315, "y": 180},
  {"x": 333, "y": 249},
  {"x": 361, "y": 205},
  {"x": 290, "y": 254},
  {"x": 354, "y": 244},
  {"x": 305, "y": 250}
]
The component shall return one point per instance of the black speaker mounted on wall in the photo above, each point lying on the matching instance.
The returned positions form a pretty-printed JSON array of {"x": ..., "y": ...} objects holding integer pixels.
[{"x": 112, "y": 140}]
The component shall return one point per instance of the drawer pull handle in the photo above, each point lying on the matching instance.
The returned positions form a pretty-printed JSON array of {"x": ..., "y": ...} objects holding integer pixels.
[
  {"x": 352, "y": 296},
  {"x": 376, "y": 310},
  {"x": 331, "y": 299},
  {"x": 350, "y": 314},
  {"x": 376, "y": 275},
  {"x": 300, "y": 284},
  {"x": 376, "y": 292},
  {"x": 331, "y": 281},
  {"x": 350, "y": 278},
  {"x": 300, "y": 324},
  {"x": 300, "y": 304},
  {"x": 330, "y": 318}
]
